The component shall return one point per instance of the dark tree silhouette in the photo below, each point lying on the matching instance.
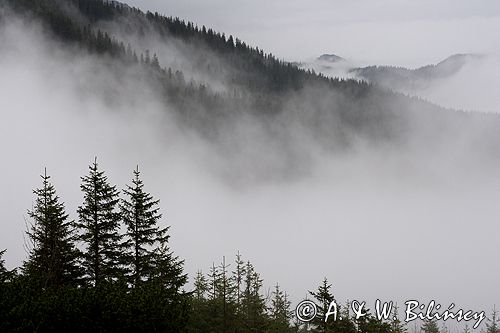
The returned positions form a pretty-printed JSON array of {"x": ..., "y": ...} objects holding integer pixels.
[
  {"x": 280, "y": 311},
  {"x": 5, "y": 275},
  {"x": 99, "y": 222},
  {"x": 53, "y": 258},
  {"x": 140, "y": 213}
]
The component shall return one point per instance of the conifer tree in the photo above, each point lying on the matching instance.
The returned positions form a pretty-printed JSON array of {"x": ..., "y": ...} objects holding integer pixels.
[
  {"x": 213, "y": 300},
  {"x": 396, "y": 324},
  {"x": 324, "y": 298},
  {"x": 53, "y": 258},
  {"x": 99, "y": 222},
  {"x": 140, "y": 213},
  {"x": 214, "y": 282},
  {"x": 147, "y": 252},
  {"x": 346, "y": 310},
  {"x": 221, "y": 298},
  {"x": 280, "y": 311},
  {"x": 430, "y": 326},
  {"x": 155, "y": 63},
  {"x": 492, "y": 324},
  {"x": 346, "y": 324},
  {"x": 198, "y": 319},
  {"x": 253, "y": 303},
  {"x": 4, "y": 273},
  {"x": 225, "y": 294},
  {"x": 370, "y": 323},
  {"x": 237, "y": 280},
  {"x": 168, "y": 269},
  {"x": 2, "y": 262},
  {"x": 200, "y": 286}
]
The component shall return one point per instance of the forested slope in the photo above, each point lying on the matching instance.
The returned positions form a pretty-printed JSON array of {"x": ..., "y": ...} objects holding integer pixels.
[{"x": 220, "y": 78}]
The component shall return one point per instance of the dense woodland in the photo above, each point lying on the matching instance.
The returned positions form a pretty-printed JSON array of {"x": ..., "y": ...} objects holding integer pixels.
[
  {"x": 259, "y": 84},
  {"x": 111, "y": 268}
]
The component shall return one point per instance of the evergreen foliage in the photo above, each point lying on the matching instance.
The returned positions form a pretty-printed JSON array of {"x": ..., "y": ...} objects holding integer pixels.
[
  {"x": 397, "y": 325},
  {"x": 430, "y": 326},
  {"x": 323, "y": 298},
  {"x": 261, "y": 84},
  {"x": 5, "y": 275},
  {"x": 369, "y": 323},
  {"x": 99, "y": 222},
  {"x": 48, "y": 294},
  {"x": 280, "y": 311},
  {"x": 140, "y": 213},
  {"x": 492, "y": 326},
  {"x": 53, "y": 258},
  {"x": 168, "y": 269}
]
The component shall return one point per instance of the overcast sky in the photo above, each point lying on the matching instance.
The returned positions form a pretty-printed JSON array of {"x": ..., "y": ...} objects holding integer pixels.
[{"x": 400, "y": 32}]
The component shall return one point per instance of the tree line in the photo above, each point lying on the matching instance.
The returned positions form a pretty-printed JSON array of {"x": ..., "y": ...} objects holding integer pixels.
[
  {"x": 112, "y": 270},
  {"x": 258, "y": 83}
]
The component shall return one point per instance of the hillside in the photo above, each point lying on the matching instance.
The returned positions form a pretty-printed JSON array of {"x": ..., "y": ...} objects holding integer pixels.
[
  {"x": 398, "y": 78},
  {"x": 212, "y": 81}
]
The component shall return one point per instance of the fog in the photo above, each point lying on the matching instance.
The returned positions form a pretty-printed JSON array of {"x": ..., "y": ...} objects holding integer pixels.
[
  {"x": 381, "y": 32},
  {"x": 379, "y": 223},
  {"x": 473, "y": 87}
]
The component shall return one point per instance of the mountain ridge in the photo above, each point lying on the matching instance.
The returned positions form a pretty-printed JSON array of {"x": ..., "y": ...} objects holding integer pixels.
[
  {"x": 254, "y": 84},
  {"x": 395, "y": 76}
]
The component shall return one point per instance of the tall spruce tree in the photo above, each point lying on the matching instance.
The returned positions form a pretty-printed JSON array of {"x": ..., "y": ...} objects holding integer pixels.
[
  {"x": 53, "y": 258},
  {"x": 140, "y": 213},
  {"x": 99, "y": 222},
  {"x": 146, "y": 244},
  {"x": 324, "y": 298}
]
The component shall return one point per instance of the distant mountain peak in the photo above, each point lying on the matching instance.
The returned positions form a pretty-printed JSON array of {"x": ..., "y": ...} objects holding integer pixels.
[{"x": 330, "y": 58}]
